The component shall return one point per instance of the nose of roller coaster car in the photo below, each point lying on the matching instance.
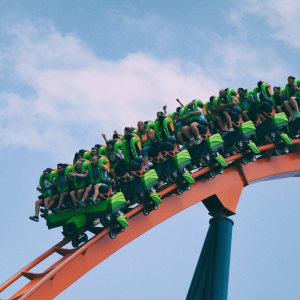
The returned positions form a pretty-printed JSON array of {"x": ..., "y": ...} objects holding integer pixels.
[{"x": 171, "y": 139}]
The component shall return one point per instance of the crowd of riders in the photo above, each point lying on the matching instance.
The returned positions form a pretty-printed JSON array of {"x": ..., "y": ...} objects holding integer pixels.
[{"x": 92, "y": 172}]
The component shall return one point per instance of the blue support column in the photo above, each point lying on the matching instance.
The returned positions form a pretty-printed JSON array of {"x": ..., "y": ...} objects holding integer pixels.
[{"x": 211, "y": 277}]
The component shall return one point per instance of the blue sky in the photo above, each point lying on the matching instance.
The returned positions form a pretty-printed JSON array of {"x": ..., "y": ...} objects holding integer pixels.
[{"x": 72, "y": 70}]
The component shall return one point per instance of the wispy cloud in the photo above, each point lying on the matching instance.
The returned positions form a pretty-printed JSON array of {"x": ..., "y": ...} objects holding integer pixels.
[
  {"x": 77, "y": 96},
  {"x": 281, "y": 17}
]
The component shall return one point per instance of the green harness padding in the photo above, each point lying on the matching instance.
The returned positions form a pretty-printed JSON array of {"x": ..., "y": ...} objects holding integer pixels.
[
  {"x": 248, "y": 93},
  {"x": 297, "y": 82},
  {"x": 220, "y": 159},
  {"x": 280, "y": 93},
  {"x": 164, "y": 126},
  {"x": 43, "y": 186},
  {"x": 122, "y": 220},
  {"x": 197, "y": 102},
  {"x": 77, "y": 221},
  {"x": 263, "y": 88},
  {"x": 175, "y": 129},
  {"x": 56, "y": 175},
  {"x": 155, "y": 197},
  {"x": 126, "y": 150},
  {"x": 254, "y": 148},
  {"x": 286, "y": 138},
  {"x": 99, "y": 180},
  {"x": 87, "y": 155},
  {"x": 188, "y": 177},
  {"x": 229, "y": 93},
  {"x": 149, "y": 126},
  {"x": 117, "y": 147},
  {"x": 102, "y": 151},
  {"x": 84, "y": 183},
  {"x": 208, "y": 116}
]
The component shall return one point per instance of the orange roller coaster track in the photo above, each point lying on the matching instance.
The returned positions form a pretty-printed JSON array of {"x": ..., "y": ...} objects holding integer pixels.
[{"x": 219, "y": 195}]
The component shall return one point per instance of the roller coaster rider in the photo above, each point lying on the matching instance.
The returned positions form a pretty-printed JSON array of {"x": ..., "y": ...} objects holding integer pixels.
[
  {"x": 94, "y": 188},
  {"x": 284, "y": 105},
  {"x": 43, "y": 200},
  {"x": 226, "y": 110},
  {"x": 147, "y": 139},
  {"x": 114, "y": 157},
  {"x": 178, "y": 126},
  {"x": 63, "y": 184},
  {"x": 192, "y": 128},
  {"x": 76, "y": 194},
  {"x": 293, "y": 89},
  {"x": 248, "y": 105}
]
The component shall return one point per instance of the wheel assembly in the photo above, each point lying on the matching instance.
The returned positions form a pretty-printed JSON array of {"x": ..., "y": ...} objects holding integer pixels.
[
  {"x": 205, "y": 160},
  {"x": 83, "y": 238},
  {"x": 146, "y": 211},
  {"x": 244, "y": 160},
  {"x": 179, "y": 191},
  {"x": 271, "y": 137},
  {"x": 140, "y": 197},
  {"x": 112, "y": 234},
  {"x": 173, "y": 177}
]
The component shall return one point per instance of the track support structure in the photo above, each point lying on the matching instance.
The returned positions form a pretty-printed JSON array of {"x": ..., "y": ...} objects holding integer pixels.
[{"x": 211, "y": 277}]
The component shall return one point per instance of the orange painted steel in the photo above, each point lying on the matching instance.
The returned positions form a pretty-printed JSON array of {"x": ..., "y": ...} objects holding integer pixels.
[{"x": 220, "y": 196}]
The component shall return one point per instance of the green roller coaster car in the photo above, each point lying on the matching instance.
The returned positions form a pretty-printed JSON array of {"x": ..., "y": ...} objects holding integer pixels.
[
  {"x": 280, "y": 122},
  {"x": 109, "y": 212},
  {"x": 214, "y": 144},
  {"x": 247, "y": 130}
]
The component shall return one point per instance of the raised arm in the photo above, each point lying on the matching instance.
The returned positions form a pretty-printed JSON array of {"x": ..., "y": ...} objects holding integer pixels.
[
  {"x": 104, "y": 136},
  {"x": 179, "y": 102},
  {"x": 79, "y": 175},
  {"x": 165, "y": 109},
  {"x": 104, "y": 167}
]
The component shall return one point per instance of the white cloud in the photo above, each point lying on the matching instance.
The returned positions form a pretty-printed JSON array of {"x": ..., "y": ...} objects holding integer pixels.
[
  {"x": 282, "y": 17},
  {"x": 72, "y": 96},
  {"x": 238, "y": 63},
  {"x": 76, "y": 96}
]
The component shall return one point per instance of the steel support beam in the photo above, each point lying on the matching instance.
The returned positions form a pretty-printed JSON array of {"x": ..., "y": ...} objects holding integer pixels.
[{"x": 211, "y": 277}]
